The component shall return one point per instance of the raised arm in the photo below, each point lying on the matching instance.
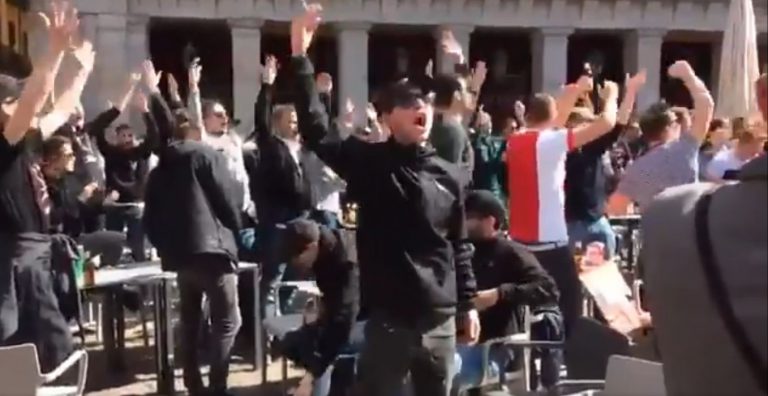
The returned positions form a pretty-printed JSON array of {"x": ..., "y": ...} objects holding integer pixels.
[
  {"x": 341, "y": 156},
  {"x": 152, "y": 138},
  {"x": 609, "y": 94},
  {"x": 159, "y": 109},
  {"x": 567, "y": 99},
  {"x": 61, "y": 24},
  {"x": 703, "y": 105},
  {"x": 174, "y": 97},
  {"x": 632, "y": 86},
  {"x": 263, "y": 106},
  {"x": 66, "y": 103},
  {"x": 194, "y": 101}
]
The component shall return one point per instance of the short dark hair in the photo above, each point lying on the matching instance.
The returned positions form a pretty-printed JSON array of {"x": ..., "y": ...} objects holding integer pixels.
[
  {"x": 122, "y": 127},
  {"x": 539, "y": 109},
  {"x": 445, "y": 88},
  {"x": 655, "y": 121},
  {"x": 399, "y": 94},
  {"x": 484, "y": 204},
  {"x": 207, "y": 105},
  {"x": 717, "y": 123},
  {"x": 297, "y": 235},
  {"x": 52, "y": 146}
]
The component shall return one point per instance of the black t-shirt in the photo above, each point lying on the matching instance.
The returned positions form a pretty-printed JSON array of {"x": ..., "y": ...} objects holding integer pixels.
[
  {"x": 585, "y": 179},
  {"x": 19, "y": 211}
]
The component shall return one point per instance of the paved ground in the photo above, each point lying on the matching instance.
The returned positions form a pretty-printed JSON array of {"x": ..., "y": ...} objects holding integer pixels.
[{"x": 138, "y": 378}]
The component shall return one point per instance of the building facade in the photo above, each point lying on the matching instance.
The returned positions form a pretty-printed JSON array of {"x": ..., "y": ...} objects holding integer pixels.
[{"x": 542, "y": 38}]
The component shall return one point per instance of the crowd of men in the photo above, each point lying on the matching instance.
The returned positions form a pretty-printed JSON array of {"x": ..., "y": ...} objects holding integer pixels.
[{"x": 460, "y": 224}]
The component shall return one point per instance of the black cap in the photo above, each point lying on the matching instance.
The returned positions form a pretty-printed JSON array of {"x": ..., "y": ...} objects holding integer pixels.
[
  {"x": 10, "y": 88},
  {"x": 295, "y": 237},
  {"x": 401, "y": 94},
  {"x": 483, "y": 203}
]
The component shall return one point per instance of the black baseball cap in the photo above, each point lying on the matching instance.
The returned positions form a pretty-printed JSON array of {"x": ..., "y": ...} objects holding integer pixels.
[
  {"x": 482, "y": 203},
  {"x": 401, "y": 94},
  {"x": 296, "y": 235},
  {"x": 10, "y": 88}
]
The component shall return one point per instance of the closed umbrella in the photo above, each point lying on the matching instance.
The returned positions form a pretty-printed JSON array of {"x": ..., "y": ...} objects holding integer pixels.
[{"x": 738, "y": 63}]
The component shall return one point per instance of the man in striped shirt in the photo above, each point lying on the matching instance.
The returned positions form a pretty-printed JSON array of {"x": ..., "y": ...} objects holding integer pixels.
[{"x": 536, "y": 176}]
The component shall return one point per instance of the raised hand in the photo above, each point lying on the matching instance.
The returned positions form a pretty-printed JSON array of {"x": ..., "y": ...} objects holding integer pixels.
[
  {"x": 85, "y": 55},
  {"x": 585, "y": 84},
  {"x": 681, "y": 69},
  {"x": 452, "y": 47},
  {"x": 637, "y": 81},
  {"x": 150, "y": 76},
  {"x": 430, "y": 69},
  {"x": 324, "y": 83},
  {"x": 140, "y": 102},
  {"x": 304, "y": 27},
  {"x": 370, "y": 112},
  {"x": 269, "y": 70},
  {"x": 609, "y": 91},
  {"x": 61, "y": 23},
  {"x": 173, "y": 87},
  {"x": 194, "y": 74},
  {"x": 478, "y": 77},
  {"x": 519, "y": 110}
]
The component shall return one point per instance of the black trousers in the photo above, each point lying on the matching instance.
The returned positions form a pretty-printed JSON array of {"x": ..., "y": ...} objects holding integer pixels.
[
  {"x": 30, "y": 310},
  {"x": 392, "y": 350},
  {"x": 220, "y": 287},
  {"x": 560, "y": 265}
]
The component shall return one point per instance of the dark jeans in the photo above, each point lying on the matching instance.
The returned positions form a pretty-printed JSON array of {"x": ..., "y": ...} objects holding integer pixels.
[
  {"x": 392, "y": 350},
  {"x": 220, "y": 287},
  {"x": 118, "y": 219}
]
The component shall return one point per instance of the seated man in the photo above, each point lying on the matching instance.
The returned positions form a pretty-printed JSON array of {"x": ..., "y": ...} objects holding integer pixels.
[
  {"x": 508, "y": 278},
  {"x": 328, "y": 255}
]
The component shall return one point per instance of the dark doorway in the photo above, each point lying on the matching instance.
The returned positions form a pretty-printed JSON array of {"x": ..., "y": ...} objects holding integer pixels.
[
  {"x": 604, "y": 49},
  {"x": 211, "y": 41},
  {"x": 507, "y": 55},
  {"x": 699, "y": 55},
  {"x": 395, "y": 54}
]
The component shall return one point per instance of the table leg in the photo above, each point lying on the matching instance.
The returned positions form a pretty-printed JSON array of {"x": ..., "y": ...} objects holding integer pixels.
[
  {"x": 163, "y": 338},
  {"x": 108, "y": 331},
  {"x": 258, "y": 347},
  {"x": 119, "y": 310}
]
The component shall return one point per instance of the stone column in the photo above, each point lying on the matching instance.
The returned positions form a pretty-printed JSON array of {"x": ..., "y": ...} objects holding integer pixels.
[
  {"x": 642, "y": 50},
  {"x": 549, "y": 52},
  {"x": 717, "y": 54},
  {"x": 246, "y": 74},
  {"x": 111, "y": 69},
  {"x": 444, "y": 64},
  {"x": 137, "y": 50},
  {"x": 352, "y": 78}
]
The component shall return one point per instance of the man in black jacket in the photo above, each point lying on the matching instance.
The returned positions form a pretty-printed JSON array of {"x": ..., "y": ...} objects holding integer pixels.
[
  {"x": 330, "y": 256},
  {"x": 415, "y": 263},
  {"x": 192, "y": 216}
]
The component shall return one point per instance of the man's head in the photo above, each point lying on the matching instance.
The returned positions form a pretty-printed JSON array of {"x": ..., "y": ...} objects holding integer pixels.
[
  {"x": 406, "y": 112},
  {"x": 215, "y": 118},
  {"x": 748, "y": 145},
  {"x": 10, "y": 90},
  {"x": 451, "y": 93},
  {"x": 285, "y": 121},
  {"x": 719, "y": 132},
  {"x": 659, "y": 124},
  {"x": 541, "y": 111},
  {"x": 58, "y": 158},
  {"x": 485, "y": 214},
  {"x": 125, "y": 136},
  {"x": 301, "y": 244}
]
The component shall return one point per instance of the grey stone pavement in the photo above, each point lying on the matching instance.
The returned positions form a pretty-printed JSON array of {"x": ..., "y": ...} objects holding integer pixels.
[{"x": 138, "y": 378}]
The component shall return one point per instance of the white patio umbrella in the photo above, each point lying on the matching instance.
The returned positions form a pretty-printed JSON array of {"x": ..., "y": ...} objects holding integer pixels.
[{"x": 738, "y": 63}]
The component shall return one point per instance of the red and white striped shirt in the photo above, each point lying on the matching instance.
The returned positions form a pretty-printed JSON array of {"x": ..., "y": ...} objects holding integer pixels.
[{"x": 536, "y": 178}]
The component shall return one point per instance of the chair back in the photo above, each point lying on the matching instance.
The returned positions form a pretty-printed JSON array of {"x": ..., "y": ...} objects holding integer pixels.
[
  {"x": 19, "y": 370},
  {"x": 629, "y": 376}
]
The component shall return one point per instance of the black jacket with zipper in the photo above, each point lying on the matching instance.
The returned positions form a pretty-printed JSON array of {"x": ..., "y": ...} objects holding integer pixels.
[{"x": 415, "y": 262}]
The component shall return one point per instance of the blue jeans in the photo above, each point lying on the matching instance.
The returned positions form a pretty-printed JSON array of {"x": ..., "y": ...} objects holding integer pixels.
[
  {"x": 120, "y": 219},
  {"x": 470, "y": 364},
  {"x": 587, "y": 232}
]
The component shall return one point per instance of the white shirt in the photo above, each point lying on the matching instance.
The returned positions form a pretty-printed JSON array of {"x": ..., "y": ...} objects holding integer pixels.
[{"x": 723, "y": 161}]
